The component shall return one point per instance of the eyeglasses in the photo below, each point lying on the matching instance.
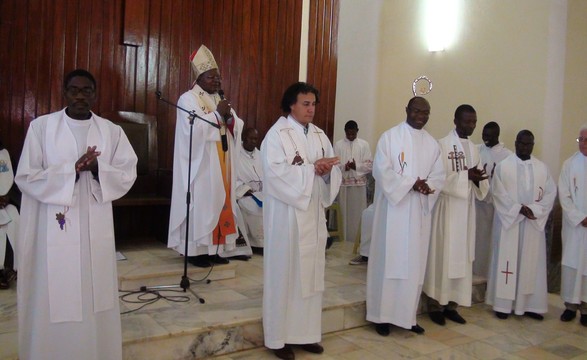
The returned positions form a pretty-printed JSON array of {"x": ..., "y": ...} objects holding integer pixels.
[
  {"x": 581, "y": 140},
  {"x": 74, "y": 91},
  {"x": 419, "y": 111}
]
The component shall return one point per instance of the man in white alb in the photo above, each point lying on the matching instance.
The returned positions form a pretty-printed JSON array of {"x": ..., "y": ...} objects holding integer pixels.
[
  {"x": 408, "y": 175},
  {"x": 449, "y": 274},
  {"x": 355, "y": 163},
  {"x": 572, "y": 191},
  {"x": 491, "y": 153},
  {"x": 249, "y": 189},
  {"x": 301, "y": 180},
  {"x": 523, "y": 194},
  {"x": 73, "y": 165}
]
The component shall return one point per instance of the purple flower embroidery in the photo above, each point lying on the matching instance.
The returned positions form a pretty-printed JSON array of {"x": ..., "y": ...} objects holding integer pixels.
[{"x": 60, "y": 217}]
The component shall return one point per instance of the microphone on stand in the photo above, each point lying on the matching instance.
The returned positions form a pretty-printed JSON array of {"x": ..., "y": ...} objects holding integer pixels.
[{"x": 223, "y": 128}]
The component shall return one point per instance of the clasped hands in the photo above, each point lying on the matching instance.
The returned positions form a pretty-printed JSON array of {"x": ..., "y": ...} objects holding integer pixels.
[
  {"x": 527, "y": 212},
  {"x": 422, "y": 187},
  {"x": 350, "y": 165},
  {"x": 324, "y": 166},
  {"x": 4, "y": 201},
  {"x": 88, "y": 161}
]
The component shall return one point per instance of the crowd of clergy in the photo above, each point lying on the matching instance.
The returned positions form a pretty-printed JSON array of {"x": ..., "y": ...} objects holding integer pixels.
[{"x": 442, "y": 211}]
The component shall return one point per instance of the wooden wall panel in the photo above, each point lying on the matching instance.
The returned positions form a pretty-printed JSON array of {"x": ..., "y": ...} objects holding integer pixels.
[
  {"x": 256, "y": 43},
  {"x": 322, "y": 58}
]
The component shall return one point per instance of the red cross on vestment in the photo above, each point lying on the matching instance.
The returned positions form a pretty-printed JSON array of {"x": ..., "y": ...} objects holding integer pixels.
[{"x": 507, "y": 272}]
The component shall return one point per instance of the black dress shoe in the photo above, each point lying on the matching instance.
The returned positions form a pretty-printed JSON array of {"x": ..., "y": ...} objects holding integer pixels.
[
  {"x": 329, "y": 242},
  {"x": 383, "y": 329},
  {"x": 240, "y": 257},
  {"x": 584, "y": 319},
  {"x": 313, "y": 348},
  {"x": 285, "y": 353},
  {"x": 454, "y": 316},
  {"x": 534, "y": 315},
  {"x": 417, "y": 329},
  {"x": 4, "y": 284},
  {"x": 199, "y": 261},
  {"x": 217, "y": 259},
  {"x": 437, "y": 317},
  {"x": 568, "y": 315},
  {"x": 501, "y": 315}
]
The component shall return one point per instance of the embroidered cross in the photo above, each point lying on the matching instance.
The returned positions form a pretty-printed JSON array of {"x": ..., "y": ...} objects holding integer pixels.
[
  {"x": 507, "y": 272},
  {"x": 457, "y": 159}
]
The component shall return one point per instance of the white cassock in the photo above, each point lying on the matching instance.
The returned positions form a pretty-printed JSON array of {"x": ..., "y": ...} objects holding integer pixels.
[
  {"x": 572, "y": 191},
  {"x": 353, "y": 191},
  {"x": 517, "y": 278},
  {"x": 366, "y": 230},
  {"x": 67, "y": 282},
  {"x": 401, "y": 226},
  {"x": 9, "y": 217},
  {"x": 295, "y": 232},
  {"x": 250, "y": 174},
  {"x": 490, "y": 157},
  {"x": 206, "y": 181},
  {"x": 449, "y": 275}
]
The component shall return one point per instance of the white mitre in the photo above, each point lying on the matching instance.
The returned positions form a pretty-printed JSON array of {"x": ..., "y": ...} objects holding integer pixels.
[{"x": 202, "y": 60}]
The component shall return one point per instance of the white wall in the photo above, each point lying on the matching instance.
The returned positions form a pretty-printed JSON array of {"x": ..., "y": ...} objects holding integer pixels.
[
  {"x": 574, "y": 114},
  {"x": 358, "y": 57},
  {"x": 508, "y": 61}
]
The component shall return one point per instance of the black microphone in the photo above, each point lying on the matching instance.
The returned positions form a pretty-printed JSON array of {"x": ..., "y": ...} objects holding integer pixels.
[
  {"x": 223, "y": 129},
  {"x": 221, "y": 94}
]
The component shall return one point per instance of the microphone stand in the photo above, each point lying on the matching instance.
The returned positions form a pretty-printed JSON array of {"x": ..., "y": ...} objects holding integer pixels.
[{"x": 185, "y": 281}]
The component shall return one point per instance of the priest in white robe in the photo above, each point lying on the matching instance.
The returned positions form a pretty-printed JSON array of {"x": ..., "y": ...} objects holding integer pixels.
[
  {"x": 9, "y": 219},
  {"x": 355, "y": 163},
  {"x": 572, "y": 190},
  {"x": 73, "y": 165},
  {"x": 215, "y": 143},
  {"x": 491, "y": 153},
  {"x": 300, "y": 180},
  {"x": 249, "y": 191},
  {"x": 523, "y": 194},
  {"x": 449, "y": 275},
  {"x": 409, "y": 176}
]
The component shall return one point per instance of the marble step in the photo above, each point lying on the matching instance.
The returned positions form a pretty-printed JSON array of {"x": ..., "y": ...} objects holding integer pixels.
[
  {"x": 231, "y": 328},
  {"x": 152, "y": 264},
  {"x": 165, "y": 275}
]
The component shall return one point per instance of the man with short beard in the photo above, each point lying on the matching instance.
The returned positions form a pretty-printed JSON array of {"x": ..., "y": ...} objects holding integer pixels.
[
  {"x": 491, "y": 153},
  {"x": 409, "y": 176},
  {"x": 449, "y": 274},
  {"x": 523, "y": 194}
]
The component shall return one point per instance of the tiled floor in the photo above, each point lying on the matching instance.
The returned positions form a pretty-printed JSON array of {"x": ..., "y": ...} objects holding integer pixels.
[{"x": 238, "y": 301}]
